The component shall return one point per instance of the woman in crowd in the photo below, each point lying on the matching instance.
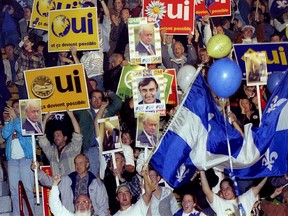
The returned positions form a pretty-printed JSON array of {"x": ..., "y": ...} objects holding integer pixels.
[{"x": 189, "y": 207}]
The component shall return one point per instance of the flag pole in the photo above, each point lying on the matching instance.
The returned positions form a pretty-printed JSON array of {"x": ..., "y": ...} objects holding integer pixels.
[
  {"x": 36, "y": 170},
  {"x": 115, "y": 167}
]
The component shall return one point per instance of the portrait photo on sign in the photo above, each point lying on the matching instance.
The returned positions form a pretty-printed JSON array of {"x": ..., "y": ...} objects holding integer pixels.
[
  {"x": 109, "y": 134},
  {"x": 256, "y": 68},
  {"x": 149, "y": 92},
  {"x": 31, "y": 117},
  {"x": 144, "y": 42},
  {"x": 147, "y": 130}
]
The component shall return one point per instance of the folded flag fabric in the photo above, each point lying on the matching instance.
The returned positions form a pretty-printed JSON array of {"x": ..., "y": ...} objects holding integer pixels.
[{"x": 198, "y": 138}]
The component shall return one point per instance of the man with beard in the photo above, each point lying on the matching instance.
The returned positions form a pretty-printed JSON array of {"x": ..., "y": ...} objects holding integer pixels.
[{"x": 83, "y": 204}]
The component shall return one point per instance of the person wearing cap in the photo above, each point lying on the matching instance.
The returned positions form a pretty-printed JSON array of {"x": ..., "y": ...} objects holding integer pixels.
[
  {"x": 124, "y": 197},
  {"x": 248, "y": 32}
]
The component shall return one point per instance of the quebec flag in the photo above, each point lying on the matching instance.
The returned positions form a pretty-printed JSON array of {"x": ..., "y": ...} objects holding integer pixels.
[
  {"x": 198, "y": 137},
  {"x": 277, "y": 7}
]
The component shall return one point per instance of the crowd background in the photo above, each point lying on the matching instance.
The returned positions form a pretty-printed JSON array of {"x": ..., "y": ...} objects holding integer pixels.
[{"x": 69, "y": 134}]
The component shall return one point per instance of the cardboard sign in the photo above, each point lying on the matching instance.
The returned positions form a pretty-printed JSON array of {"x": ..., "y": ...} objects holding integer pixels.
[
  {"x": 213, "y": 8},
  {"x": 144, "y": 42},
  {"x": 73, "y": 27},
  {"x": 276, "y": 55},
  {"x": 61, "y": 88},
  {"x": 41, "y": 8},
  {"x": 176, "y": 16}
]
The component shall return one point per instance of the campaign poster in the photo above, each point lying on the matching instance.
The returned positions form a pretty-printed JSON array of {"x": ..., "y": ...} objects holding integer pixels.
[
  {"x": 31, "y": 117},
  {"x": 109, "y": 135},
  {"x": 276, "y": 55},
  {"x": 41, "y": 8},
  {"x": 62, "y": 88},
  {"x": 213, "y": 8},
  {"x": 176, "y": 17},
  {"x": 144, "y": 41},
  {"x": 256, "y": 68},
  {"x": 147, "y": 130},
  {"x": 73, "y": 27},
  {"x": 149, "y": 92},
  {"x": 124, "y": 89}
]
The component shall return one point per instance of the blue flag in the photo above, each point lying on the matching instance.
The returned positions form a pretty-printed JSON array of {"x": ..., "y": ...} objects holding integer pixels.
[
  {"x": 198, "y": 136},
  {"x": 271, "y": 137},
  {"x": 195, "y": 138},
  {"x": 277, "y": 8}
]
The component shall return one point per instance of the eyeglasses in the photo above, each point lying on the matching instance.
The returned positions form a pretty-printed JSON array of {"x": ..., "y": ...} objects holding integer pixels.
[{"x": 85, "y": 202}]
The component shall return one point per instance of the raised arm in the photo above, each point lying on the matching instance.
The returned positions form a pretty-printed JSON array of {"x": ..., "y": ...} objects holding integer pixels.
[
  {"x": 205, "y": 187},
  {"x": 75, "y": 124},
  {"x": 147, "y": 187},
  {"x": 257, "y": 188}
]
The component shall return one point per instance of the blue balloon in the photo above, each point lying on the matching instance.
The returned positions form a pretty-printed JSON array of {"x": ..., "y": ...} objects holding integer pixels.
[
  {"x": 273, "y": 80},
  {"x": 224, "y": 77}
]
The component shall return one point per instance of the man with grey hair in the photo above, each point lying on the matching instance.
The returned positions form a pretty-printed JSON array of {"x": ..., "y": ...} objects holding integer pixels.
[
  {"x": 32, "y": 125},
  {"x": 145, "y": 45},
  {"x": 150, "y": 126}
]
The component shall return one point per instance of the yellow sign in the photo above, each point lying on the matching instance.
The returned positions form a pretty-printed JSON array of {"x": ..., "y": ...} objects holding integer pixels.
[
  {"x": 41, "y": 8},
  {"x": 61, "y": 88},
  {"x": 73, "y": 27}
]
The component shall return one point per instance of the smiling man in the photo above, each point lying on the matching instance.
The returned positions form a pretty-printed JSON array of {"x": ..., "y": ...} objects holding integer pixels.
[
  {"x": 148, "y": 136},
  {"x": 148, "y": 88}
]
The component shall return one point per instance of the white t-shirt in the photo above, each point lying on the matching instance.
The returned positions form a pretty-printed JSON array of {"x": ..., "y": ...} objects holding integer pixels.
[
  {"x": 230, "y": 207},
  {"x": 139, "y": 208},
  {"x": 16, "y": 149}
]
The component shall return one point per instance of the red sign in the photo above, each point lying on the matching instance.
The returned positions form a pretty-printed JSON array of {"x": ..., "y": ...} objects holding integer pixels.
[
  {"x": 173, "y": 96},
  {"x": 45, "y": 193},
  {"x": 176, "y": 16},
  {"x": 217, "y": 8}
]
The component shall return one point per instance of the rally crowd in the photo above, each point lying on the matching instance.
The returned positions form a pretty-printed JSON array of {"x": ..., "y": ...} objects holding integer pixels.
[{"x": 84, "y": 181}]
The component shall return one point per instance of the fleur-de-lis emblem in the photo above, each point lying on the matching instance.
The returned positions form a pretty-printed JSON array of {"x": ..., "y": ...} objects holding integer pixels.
[
  {"x": 275, "y": 103},
  {"x": 182, "y": 172},
  {"x": 269, "y": 159},
  {"x": 282, "y": 4}
]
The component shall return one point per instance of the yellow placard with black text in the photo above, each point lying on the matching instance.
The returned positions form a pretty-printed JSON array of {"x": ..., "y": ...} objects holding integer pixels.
[
  {"x": 41, "y": 8},
  {"x": 73, "y": 27},
  {"x": 61, "y": 88}
]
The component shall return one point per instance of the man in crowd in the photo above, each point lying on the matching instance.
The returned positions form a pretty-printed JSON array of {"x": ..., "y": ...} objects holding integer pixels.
[
  {"x": 61, "y": 154},
  {"x": 124, "y": 197},
  {"x": 83, "y": 204},
  {"x": 147, "y": 137},
  {"x": 80, "y": 182}
]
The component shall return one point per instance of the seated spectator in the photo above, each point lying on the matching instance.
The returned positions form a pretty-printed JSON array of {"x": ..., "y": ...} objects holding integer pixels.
[
  {"x": 83, "y": 204},
  {"x": 227, "y": 203},
  {"x": 163, "y": 201},
  {"x": 80, "y": 182},
  {"x": 61, "y": 154},
  {"x": 124, "y": 197},
  {"x": 189, "y": 206}
]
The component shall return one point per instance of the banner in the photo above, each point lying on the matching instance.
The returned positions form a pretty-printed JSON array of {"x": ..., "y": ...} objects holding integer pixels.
[
  {"x": 41, "y": 8},
  {"x": 73, "y": 27},
  {"x": 176, "y": 17},
  {"x": 214, "y": 8},
  {"x": 61, "y": 88},
  {"x": 276, "y": 55}
]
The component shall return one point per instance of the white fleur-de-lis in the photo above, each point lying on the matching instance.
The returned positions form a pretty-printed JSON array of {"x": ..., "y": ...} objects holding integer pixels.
[
  {"x": 269, "y": 159},
  {"x": 282, "y": 4},
  {"x": 275, "y": 103},
  {"x": 182, "y": 172}
]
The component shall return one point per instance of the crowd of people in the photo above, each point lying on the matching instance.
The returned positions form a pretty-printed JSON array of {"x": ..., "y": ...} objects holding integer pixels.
[{"x": 83, "y": 181}]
